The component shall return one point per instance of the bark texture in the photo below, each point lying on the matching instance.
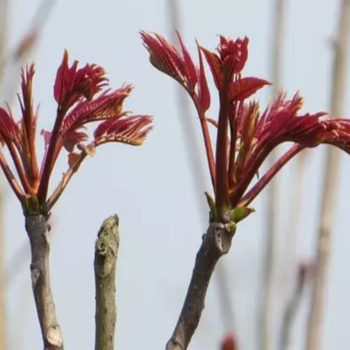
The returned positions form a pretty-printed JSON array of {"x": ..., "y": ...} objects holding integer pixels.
[
  {"x": 216, "y": 242},
  {"x": 106, "y": 253},
  {"x": 38, "y": 232}
]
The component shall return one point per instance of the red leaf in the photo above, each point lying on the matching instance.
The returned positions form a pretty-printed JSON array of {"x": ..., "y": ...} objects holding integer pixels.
[
  {"x": 73, "y": 138},
  {"x": 8, "y": 127},
  {"x": 214, "y": 64},
  {"x": 73, "y": 84},
  {"x": 47, "y": 137},
  {"x": 245, "y": 87},
  {"x": 203, "y": 90},
  {"x": 233, "y": 54},
  {"x": 129, "y": 129},
  {"x": 104, "y": 107},
  {"x": 190, "y": 68},
  {"x": 164, "y": 56}
]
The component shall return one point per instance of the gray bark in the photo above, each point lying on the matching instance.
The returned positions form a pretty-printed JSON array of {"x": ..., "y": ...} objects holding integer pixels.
[
  {"x": 38, "y": 232},
  {"x": 106, "y": 253},
  {"x": 216, "y": 242}
]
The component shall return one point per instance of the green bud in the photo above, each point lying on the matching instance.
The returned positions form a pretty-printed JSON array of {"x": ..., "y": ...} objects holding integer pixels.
[{"x": 240, "y": 213}]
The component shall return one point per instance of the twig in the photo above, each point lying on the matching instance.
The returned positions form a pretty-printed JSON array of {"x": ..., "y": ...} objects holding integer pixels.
[
  {"x": 289, "y": 253},
  {"x": 269, "y": 253},
  {"x": 331, "y": 171},
  {"x": 106, "y": 254},
  {"x": 3, "y": 315},
  {"x": 197, "y": 171},
  {"x": 38, "y": 229},
  {"x": 216, "y": 243},
  {"x": 293, "y": 304}
]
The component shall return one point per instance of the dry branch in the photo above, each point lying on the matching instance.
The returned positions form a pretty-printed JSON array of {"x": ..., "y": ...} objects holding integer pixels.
[
  {"x": 106, "y": 253},
  {"x": 216, "y": 243},
  {"x": 38, "y": 229}
]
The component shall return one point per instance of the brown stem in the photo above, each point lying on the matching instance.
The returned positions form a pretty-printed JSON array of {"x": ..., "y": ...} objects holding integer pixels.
[
  {"x": 38, "y": 230},
  {"x": 331, "y": 170},
  {"x": 106, "y": 254},
  {"x": 216, "y": 242}
]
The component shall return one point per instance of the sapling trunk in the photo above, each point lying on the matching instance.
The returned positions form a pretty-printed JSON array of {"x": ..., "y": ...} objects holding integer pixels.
[
  {"x": 216, "y": 243},
  {"x": 106, "y": 253},
  {"x": 38, "y": 232}
]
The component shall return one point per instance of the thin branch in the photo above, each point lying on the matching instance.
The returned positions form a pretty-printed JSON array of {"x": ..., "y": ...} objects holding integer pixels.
[
  {"x": 216, "y": 243},
  {"x": 31, "y": 37},
  {"x": 289, "y": 262},
  {"x": 38, "y": 229},
  {"x": 292, "y": 306},
  {"x": 197, "y": 169},
  {"x": 106, "y": 254},
  {"x": 338, "y": 86},
  {"x": 269, "y": 252},
  {"x": 64, "y": 182}
]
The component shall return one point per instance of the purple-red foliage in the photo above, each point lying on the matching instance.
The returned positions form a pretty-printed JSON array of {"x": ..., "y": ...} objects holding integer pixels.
[
  {"x": 83, "y": 96},
  {"x": 245, "y": 135}
]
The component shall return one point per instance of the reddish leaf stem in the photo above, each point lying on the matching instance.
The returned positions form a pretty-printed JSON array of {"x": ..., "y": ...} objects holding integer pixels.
[
  {"x": 64, "y": 182},
  {"x": 11, "y": 179},
  {"x": 258, "y": 187},
  {"x": 208, "y": 149},
  {"x": 21, "y": 173},
  {"x": 50, "y": 159}
]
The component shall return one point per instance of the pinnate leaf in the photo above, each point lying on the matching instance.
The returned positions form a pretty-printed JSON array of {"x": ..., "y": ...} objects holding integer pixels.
[{"x": 242, "y": 89}]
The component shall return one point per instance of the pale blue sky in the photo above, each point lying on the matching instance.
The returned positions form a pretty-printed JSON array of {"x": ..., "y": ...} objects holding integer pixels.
[{"x": 150, "y": 187}]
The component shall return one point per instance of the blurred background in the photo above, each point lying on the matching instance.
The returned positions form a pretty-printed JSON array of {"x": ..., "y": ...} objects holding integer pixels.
[{"x": 264, "y": 290}]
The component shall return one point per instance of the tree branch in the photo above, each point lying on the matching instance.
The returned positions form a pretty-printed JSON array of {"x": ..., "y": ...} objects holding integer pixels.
[
  {"x": 331, "y": 170},
  {"x": 106, "y": 254},
  {"x": 38, "y": 230},
  {"x": 216, "y": 243}
]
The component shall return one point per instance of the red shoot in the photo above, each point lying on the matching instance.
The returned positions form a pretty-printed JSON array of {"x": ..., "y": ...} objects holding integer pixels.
[
  {"x": 83, "y": 96},
  {"x": 245, "y": 136}
]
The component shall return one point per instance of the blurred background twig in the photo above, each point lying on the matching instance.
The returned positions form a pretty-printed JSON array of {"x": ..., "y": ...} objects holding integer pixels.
[
  {"x": 269, "y": 253},
  {"x": 331, "y": 173},
  {"x": 3, "y": 308}
]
